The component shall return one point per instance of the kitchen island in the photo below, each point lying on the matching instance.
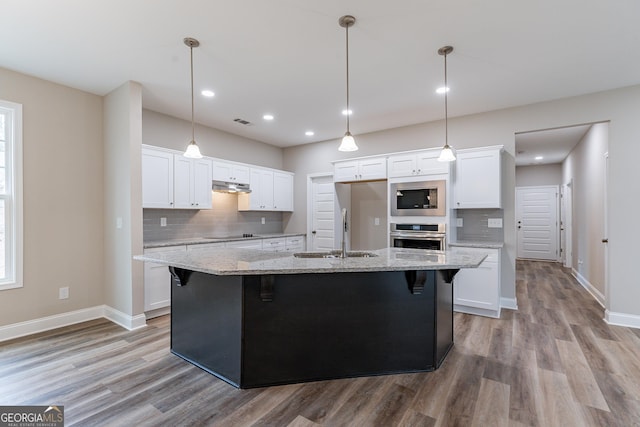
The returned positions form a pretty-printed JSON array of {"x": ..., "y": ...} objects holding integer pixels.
[{"x": 256, "y": 318}]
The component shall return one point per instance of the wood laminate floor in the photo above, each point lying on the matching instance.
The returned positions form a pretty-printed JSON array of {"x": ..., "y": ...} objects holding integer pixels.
[{"x": 554, "y": 362}]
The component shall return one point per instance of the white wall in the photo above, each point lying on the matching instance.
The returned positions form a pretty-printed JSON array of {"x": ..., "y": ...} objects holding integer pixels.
[
  {"x": 123, "y": 199},
  {"x": 169, "y": 132},
  {"x": 536, "y": 175},
  {"x": 63, "y": 205},
  {"x": 585, "y": 168},
  {"x": 620, "y": 106}
]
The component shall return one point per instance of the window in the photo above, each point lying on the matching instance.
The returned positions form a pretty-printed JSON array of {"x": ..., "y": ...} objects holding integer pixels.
[{"x": 10, "y": 195}]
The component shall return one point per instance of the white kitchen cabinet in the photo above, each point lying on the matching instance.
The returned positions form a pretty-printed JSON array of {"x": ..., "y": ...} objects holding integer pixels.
[
  {"x": 205, "y": 247},
  {"x": 157, "y": 282},
  {"x": 277, "y": 244},
  {"x": 271, "y": 190},
  {"x": 282, "y": 191},
  {"x": 245, "y": 244},
  {"x": 231, "y": 172},
  {"x": 191, "y": 183},
  {"x": 416, "y": 164},
  {"x": 369, "y": 169},
  {"x": 157, "y": 178},
  {"x": 477, "y": 290},
  {"x": 294, "y": 243},
  {"x": 478, "y": 178}
]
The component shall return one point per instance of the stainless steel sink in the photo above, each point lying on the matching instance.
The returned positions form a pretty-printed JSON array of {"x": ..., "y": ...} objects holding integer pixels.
[{"x": 334, "y": 254}]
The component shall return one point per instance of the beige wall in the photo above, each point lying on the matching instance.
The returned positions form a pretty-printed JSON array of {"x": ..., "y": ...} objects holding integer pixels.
[
  {"x": 169, "y": 132},
  {"x": 368, "y": 202},
  {"x": 63, "y": 205},
  {"x": 527, "y": 176},
  {"x": 123, "y": 199},
  {"x": 499, "y": 127},
  {"x": 585, "y": 169}
]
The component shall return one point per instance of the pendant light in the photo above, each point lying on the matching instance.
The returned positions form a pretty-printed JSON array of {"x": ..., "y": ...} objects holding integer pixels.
[
  {"x": 193, "y": 152},
  {"x": 348, "y": 143},
  {"x": 448, "y": 153}
]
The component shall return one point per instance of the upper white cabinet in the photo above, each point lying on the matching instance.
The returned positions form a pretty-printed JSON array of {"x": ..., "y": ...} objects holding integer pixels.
[
  {"x": 270, "y": 191},
  {"x": 231, "y": 172},
  {"x": 360, "y": 170},
  {"x": 157, "y": 178},
  {"x": 191, "y": 183},
  {"x": 478, "y": 178},
  {"x": 170, "y": 180},
  {"x": 416, "y": 164},
  {"x": 282, "y": 191}
]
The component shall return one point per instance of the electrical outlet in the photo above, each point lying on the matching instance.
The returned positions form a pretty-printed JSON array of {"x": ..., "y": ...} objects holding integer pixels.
[
  {"x": 63, "y": 293},
  {"x": 263, "y": 220},
  {"x": 459, "y": 222},
  {"x": 163, "y": 222},
  {"x": 494, "y": 223},
  {"x": 376, "y": 221}
]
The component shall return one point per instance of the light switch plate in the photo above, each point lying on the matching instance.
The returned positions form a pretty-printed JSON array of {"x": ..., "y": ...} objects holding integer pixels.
[
  {"x": 495, "y": 223},
  {"x": 376, "y": 221},
  {"x": 263, "y": 220},
  {"x": 163, "y": 222},
  {"x": 459, "y": 222},
  {"x": 119, "y": 222}
]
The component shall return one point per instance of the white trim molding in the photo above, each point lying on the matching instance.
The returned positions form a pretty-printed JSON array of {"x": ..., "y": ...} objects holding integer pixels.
[
  {"x": 30, "y": 327},
  {"x": 622, "y": 319},
  {"x": 509, "y": 303},
  {"x": 589, "y": 287}
]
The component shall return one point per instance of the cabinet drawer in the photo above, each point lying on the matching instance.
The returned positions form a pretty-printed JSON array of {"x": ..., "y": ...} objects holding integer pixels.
[
  {"x": 274, "y": 245},
  {"x": 295, "y": 243},
  {"x": 245, "y": 244}
]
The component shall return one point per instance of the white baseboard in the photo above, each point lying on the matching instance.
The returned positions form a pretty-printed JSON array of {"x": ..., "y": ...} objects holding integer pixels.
[
  {"x": 123, "y": 319},
  {"x": 29, "y": 327},
  {"x": 589, "y": 287},
  {"x": 622, "y": 319},
  {"x": 509, "y": 303},
  {"x": 477, "y": 311}
]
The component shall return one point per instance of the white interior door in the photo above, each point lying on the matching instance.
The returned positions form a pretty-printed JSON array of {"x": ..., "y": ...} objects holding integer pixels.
[
  {"x": 322, "y": 214},
  {"x": 537, "y": 222}
]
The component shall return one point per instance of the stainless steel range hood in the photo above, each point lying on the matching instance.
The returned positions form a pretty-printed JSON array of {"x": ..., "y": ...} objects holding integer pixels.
[{"x": 230, "y": 187}]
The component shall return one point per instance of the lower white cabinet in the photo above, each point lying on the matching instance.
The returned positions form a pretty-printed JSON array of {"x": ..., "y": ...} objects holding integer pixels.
[
  {"x": 294, "y": 244},
  {"x": 477, "y": 290},
  {"x": 157, "y": 281},
  {"x": 245, "y": 244},
  {"x": 277, "y": 244}
]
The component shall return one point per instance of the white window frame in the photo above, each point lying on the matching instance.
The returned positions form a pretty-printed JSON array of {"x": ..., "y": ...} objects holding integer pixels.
[{"x": 13, "y": 196}]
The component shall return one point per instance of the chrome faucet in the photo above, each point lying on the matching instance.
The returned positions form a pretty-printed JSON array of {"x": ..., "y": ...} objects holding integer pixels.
[{"x": 343, "y": 251}]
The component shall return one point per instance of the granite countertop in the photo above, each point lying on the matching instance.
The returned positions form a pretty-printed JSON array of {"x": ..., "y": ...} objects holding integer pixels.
[
  {"x": 202, "y": 240},
  {"x": 476, "y": 244},
  {"x": 237, "y": 262}
]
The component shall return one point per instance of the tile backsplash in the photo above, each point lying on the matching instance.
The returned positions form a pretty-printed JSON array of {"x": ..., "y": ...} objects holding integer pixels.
[
  {"x": 476, "y": 225},
  {"x": 223, "y": 220}
]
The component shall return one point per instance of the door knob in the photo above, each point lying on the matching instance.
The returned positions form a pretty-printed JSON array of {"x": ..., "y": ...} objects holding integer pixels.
[
  {"x": 313, "y": 232},
  {"x": 605, "y": 240}
]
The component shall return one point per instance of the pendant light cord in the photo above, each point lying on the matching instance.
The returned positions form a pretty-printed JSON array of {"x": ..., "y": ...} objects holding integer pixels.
[
  {"x": 348, "y": 112},
  {"x": 446, "y": 115},
  {"x": 193, "y": 133}
]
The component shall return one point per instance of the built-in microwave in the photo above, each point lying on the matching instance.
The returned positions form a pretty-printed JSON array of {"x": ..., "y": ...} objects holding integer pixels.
[{"x": 422, "y": 198}]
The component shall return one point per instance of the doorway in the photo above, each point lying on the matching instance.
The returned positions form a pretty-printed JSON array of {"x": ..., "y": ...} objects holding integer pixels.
[
  {"x": 537, "y": 222},
  {"x": 321, "y": 198}
]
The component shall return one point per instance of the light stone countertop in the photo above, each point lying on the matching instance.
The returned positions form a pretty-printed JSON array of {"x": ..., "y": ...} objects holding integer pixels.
[
  {"x": 202, "y": 240},
  {"x": 236, "y": 262},
  {"x": 476, "y": 244}
]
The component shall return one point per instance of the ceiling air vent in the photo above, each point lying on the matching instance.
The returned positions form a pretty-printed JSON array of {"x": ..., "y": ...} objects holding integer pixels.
[{"x": 242, "y": 122}]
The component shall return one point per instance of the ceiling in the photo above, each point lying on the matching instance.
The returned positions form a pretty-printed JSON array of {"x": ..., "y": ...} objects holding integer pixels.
[
  {"x": 287, "y": 57},
  {"x": 553, "y": 145}
]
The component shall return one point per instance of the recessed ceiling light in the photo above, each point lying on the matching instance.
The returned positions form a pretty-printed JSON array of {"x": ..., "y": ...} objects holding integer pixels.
[
  {"x": 347, "y": 112},
  {"x": 268, "y": 117},
  {"x": 208, "y": 93},
  {"x": 539, "y": 157},
  {"x": 442, "y": 90},
  {"x": 309, "y": 133}
]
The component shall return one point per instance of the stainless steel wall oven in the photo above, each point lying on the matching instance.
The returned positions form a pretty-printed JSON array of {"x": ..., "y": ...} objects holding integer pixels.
[{"x": 418, "y": 236}]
